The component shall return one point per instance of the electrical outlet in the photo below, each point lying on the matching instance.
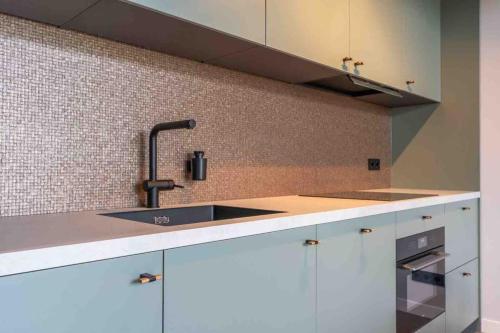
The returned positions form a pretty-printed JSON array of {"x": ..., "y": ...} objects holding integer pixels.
[{"x": 374, "y": 164}]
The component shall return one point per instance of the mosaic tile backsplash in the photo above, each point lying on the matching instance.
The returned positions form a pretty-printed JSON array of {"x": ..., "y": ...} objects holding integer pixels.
[{"x": 75, "y": 112}]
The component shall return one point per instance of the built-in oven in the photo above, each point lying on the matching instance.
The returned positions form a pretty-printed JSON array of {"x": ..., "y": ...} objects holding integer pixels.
[{"x": 420, "y": 279}]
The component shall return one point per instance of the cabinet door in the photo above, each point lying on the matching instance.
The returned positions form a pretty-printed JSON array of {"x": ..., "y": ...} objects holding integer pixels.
[
  {"x": 96, "y": 297},
  {"x": 377, "y": 38},
  {"x": 263, "y": 283},
  {"x": 422, "y": 57},
  {"x": 415, "y": 221},
  {"x": 462, "y": 297},
  {"x": 462, "y": 233},
  {"x": 317, "y": 30},
  {"x": 242, "y": 18},
  {"x": 357, "y": 276}
]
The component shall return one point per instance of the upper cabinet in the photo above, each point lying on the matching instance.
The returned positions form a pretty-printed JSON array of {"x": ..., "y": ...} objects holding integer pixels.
[
  {"x": 392, "y": 45},
  {"x": 377, "y": 35},
  {"x": 399, "y": 44},
  {"x": 317, "y": 30},
  {"x": 421, "y": 70},
  {"x": 395, "y": 43},
  {"x": 241, "y": 18}
]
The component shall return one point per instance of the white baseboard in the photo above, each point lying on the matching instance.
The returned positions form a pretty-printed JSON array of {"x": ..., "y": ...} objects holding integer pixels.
[{"x": 490, "y": 326}]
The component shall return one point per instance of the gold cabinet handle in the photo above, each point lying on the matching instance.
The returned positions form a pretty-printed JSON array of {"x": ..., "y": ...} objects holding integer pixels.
[
  {"x": 312, "y": 242},
  {"x": 148, "y": 278},
  {"x": 366, "y": 230},
  {"x": 466, "y": 274},
  {"x": 358, "y": 63},
  {"x": 427, "y": 217},
  {"x": 346, "y": 59},
  {"x": 410, "y": 82},
  {"x": 465, "y": 208}
]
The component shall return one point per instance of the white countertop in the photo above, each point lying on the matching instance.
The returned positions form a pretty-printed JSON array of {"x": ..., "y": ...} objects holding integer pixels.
[{"x": 29, "y": 243}]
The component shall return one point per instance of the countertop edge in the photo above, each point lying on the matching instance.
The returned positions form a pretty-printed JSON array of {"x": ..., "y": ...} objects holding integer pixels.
[{"x": 65, "y": 255}]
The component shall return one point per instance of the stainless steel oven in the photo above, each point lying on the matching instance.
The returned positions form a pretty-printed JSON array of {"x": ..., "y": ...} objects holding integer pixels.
[{"x": 420, "y": 279}]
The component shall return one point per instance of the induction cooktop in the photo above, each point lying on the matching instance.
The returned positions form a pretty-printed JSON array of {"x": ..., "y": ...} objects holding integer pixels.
[{"x": 377, "y": 196}]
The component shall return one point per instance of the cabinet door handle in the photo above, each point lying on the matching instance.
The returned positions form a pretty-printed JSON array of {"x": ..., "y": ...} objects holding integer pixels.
[
  {"x": 312, "y": 242},
  {"x": 148, "y": 278},
  {"x": 466, "y": 274},
  {"x": 346, "y": 59},
  {"x": 427, "y": 217},
  {"x": 358, "y": 63},
  {"x": 410, "y": 82},
  {"x": 465, "y": 208},
  {"x": 366, "y": 230}
]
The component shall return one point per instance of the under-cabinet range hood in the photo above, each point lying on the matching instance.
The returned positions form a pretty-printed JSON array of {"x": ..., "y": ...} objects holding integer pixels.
[
  {"x": 130, "y": 23},
  {"x": 368, "y": 91}
]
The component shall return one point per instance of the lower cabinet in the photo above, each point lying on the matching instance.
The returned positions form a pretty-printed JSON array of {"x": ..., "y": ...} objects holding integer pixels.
[
  {"x": 98, "y": 297},
  {"x": 438, "y": 325},
  {"x": 462, "y": 297},
  {"x": 342, "y": 280},
  {"x": 264, "y": 283},
  {"x": 461, "y": 233},
  {"x": 356, "y": 276}
]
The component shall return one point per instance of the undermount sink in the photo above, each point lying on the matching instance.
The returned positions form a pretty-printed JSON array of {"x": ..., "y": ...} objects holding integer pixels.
[{"x": 188, "y": 215}]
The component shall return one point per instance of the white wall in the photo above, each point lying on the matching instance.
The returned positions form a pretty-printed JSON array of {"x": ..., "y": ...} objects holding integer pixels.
[{"x": 490, "y": 163}]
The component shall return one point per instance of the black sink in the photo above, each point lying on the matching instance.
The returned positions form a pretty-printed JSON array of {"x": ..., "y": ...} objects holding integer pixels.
[{"x": 188, "y": 215}]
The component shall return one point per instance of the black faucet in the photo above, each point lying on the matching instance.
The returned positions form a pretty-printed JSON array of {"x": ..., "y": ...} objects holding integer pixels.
[{"x": 153, "y": 185}]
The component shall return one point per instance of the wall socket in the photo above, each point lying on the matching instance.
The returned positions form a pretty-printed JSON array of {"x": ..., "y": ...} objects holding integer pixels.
[{"x": 374, "y": 164}]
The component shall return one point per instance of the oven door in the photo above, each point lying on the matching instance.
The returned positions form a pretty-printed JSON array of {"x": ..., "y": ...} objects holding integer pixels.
[{"x": 420, "y": 290}]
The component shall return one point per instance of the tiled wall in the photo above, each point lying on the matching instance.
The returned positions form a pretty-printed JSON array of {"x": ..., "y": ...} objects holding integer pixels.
[{"x": 75, "y": 112}]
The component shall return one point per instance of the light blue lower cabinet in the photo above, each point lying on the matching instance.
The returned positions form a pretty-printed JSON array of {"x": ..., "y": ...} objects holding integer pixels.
[
  {"x": 98, "y": 297},
  {"x": 356, "y": 276},
  {"x": 264, "y": 283},
  {"x": 462, "y": 233},
  {"x": 438, "y": 325},
  {"x": 462, "y": 297}
]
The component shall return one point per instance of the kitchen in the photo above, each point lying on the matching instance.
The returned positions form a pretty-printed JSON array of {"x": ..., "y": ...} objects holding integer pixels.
[{"x": 250, "y": 165}]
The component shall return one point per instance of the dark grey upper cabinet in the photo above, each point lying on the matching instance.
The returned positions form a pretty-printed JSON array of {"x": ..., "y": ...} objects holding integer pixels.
[{"x": 55, "y": 12}]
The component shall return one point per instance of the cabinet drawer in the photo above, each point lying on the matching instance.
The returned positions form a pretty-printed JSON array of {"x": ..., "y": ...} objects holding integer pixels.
[
  {"x": 415, "y": 221},
  {"x": 101, "y": 296},
  {"x": 462, "y": 297},
  {"x": 462, "y": 232},
  {"x": 435, "y": 326}
]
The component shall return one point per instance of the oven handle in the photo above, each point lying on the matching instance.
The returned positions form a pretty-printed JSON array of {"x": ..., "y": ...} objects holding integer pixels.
[{"x": 438, "y": 256}]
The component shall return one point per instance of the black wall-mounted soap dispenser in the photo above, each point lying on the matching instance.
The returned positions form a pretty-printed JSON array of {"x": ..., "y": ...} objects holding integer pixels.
[{"x": 199, "y": 166}]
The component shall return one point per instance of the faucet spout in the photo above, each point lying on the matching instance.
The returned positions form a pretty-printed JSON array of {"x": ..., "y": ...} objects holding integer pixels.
[{"x": 152, "y": 185}]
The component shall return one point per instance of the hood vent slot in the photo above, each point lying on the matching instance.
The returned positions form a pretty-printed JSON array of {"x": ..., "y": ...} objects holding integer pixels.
[
  {"x": 368, "y": 91},
  {"x": 375, "y": 87}
]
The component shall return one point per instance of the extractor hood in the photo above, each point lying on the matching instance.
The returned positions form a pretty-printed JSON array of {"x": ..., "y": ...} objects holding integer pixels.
[{"x": 369, "y": 91}]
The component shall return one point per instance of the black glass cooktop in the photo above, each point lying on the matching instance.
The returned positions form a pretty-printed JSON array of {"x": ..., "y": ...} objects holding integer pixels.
[{"x": 378, "y": 196}]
